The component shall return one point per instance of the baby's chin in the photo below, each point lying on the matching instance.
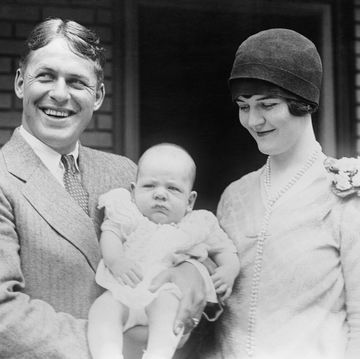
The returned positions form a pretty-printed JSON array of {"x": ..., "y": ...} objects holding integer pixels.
[{"x": 162, "y": 218}]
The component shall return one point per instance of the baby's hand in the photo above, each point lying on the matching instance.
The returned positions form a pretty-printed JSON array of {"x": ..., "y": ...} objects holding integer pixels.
[
  {"x": 127, "y": 272},
  {"x": 223, "y": 279}
]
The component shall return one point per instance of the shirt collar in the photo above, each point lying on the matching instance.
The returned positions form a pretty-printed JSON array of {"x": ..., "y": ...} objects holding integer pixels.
[{"x": 48, "y": 156}]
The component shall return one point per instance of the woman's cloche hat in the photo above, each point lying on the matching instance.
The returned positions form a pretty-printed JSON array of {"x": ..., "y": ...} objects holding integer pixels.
[{"x": 280, "y": 57}]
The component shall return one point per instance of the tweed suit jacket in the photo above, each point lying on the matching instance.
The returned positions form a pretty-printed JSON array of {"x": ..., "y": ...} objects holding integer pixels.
[{"x": 49, "y": 251}]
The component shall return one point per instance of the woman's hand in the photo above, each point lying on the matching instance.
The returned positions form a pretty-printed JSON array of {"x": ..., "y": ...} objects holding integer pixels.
[{"x": 191, "y": 284}]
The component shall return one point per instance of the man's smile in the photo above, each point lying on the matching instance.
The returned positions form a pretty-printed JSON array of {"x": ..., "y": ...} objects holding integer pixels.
[{"x": 60, "y": 113}]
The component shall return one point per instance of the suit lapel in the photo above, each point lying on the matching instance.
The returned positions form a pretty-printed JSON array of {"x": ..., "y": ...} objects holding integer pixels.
[{"x": 50, "y": 199}]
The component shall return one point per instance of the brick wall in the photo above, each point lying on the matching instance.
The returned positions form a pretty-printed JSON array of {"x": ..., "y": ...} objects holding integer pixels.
[{"x": 17, "y": 18}]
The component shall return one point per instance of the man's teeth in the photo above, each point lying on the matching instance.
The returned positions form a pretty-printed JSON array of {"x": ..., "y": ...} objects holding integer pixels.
[{"x": 56, "y": 113}]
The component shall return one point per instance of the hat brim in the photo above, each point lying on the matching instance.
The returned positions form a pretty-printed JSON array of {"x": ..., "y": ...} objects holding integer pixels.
[{"x": 275, "y": 76}]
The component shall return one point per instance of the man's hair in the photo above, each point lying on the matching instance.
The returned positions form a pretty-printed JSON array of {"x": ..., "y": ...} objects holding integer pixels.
[{"x": 81, "y": 40}]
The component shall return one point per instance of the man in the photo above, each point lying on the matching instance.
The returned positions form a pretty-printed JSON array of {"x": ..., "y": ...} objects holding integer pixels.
[{"x": 48, "y": 228}]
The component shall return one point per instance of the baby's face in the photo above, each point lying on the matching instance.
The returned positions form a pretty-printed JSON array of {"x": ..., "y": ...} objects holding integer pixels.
[{"x": 162, "y": 191}]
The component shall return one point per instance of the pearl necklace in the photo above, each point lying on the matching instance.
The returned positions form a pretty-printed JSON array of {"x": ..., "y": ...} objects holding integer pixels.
[{"x": 271, "y": 200}]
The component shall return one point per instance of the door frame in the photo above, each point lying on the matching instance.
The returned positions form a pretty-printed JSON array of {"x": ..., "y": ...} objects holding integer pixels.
[{"x": 337, "y": 124}]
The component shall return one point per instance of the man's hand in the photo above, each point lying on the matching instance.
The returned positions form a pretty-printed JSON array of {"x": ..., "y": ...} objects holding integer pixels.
[
  {"x": 127, "y": 272},
  {"x": 193, "y": 300}
]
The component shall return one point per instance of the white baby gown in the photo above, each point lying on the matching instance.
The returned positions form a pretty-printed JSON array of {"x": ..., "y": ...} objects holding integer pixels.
[{"x": 156, "y": 247}]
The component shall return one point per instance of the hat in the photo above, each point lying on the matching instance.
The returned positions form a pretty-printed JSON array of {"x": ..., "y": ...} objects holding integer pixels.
[{"x": 281, "y": 57}]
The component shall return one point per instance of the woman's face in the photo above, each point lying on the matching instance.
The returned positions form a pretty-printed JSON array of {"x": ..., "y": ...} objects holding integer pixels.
[{"x": 269, "y": 121}]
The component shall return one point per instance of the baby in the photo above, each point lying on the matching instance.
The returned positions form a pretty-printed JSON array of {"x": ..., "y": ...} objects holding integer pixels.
[{"x": 144, "y": 232}]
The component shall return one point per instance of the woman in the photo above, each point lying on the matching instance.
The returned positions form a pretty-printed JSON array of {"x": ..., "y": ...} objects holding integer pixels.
[{"x": 298, "y": 293}]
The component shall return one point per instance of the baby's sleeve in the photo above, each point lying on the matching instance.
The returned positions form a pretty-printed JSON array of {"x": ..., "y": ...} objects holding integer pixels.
[
  {"x": 121, "y": 215},
  {"x": 215, "y": 239}
]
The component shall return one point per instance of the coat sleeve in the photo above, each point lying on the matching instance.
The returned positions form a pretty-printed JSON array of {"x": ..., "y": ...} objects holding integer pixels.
[
  {"x": 31, "y": 328},
  {"x": 350, "y": 261}
]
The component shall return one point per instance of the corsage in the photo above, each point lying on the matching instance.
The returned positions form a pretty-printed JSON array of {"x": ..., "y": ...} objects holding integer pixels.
[{"x": 345, "y": 175}]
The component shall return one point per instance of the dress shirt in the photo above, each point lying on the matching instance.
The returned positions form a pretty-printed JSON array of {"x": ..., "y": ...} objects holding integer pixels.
[{"x": 50, "y": 158}]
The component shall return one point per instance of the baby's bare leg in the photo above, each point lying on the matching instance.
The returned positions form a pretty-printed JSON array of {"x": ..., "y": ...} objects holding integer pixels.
[
  {"x": 161, "y": 312},
  {"x": 105, "y": 329}
]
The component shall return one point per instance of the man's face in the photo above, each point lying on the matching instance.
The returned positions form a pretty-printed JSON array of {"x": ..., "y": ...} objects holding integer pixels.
[{"x": 60, "y": 92}]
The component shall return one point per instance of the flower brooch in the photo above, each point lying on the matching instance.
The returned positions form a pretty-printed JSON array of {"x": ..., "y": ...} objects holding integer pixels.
[{"x": 345, "y": 175}]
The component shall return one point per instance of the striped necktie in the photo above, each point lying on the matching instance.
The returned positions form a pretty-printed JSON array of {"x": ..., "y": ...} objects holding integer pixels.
[{"x": 72, "y": 183}]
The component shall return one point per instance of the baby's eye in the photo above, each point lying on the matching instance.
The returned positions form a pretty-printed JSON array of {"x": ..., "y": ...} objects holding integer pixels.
[
  {"x": 173, "y": 188},
  {"x": 148, "y": 186}
]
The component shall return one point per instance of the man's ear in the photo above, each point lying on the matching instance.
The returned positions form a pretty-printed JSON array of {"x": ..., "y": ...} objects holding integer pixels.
[
  {"x": 19, "y": 83},
  {"x": 191, "y": 200},
  {"x": 100, "y": 95}
]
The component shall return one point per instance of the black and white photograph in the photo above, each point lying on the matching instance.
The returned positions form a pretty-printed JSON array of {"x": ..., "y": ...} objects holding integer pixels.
[{"x": 179, "y": 179}]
